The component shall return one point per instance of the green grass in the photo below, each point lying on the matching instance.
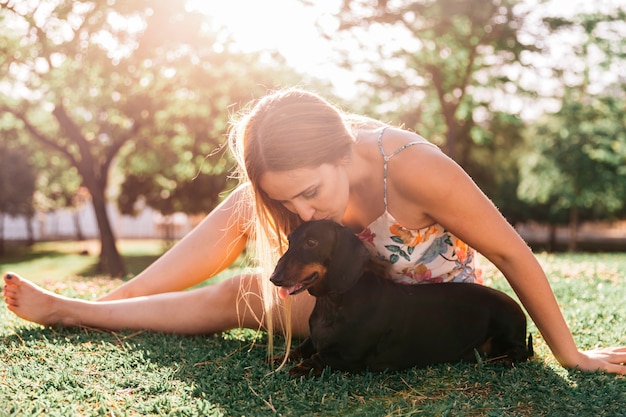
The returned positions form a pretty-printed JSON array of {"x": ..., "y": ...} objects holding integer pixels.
[
  {"x": 58, "y": 261},
  {"x": 83, "y": 372}
]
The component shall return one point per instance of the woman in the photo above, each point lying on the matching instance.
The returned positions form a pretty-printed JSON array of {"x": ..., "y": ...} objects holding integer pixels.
[{"x": 300, "y": 159}]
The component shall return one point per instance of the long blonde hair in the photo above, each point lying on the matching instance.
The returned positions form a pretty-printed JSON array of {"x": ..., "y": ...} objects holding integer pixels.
[{"x": 283, "y": 131}]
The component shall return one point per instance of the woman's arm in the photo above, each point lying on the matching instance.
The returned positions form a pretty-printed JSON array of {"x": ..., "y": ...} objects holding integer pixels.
[
  {"x": 441, "y": 190},
  {"x": 208, "y": 249}
]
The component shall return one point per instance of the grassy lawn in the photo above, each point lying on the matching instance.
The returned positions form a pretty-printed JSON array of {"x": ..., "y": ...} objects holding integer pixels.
[
  {"x": 58, "y": 261},
  {"x": 83, "y": 372}
]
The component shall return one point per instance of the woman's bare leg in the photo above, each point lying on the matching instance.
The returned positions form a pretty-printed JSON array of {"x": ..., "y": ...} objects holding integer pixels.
[
  {"x": 208, "y": 249},
  {"x": 209, "y": 309}
]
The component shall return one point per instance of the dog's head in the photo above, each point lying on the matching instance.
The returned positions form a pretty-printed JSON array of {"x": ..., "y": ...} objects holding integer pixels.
[{"x": 323, "y": 257}]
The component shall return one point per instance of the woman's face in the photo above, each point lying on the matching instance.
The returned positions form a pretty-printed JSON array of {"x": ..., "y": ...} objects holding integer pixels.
[{"x": 311, "y": 193}]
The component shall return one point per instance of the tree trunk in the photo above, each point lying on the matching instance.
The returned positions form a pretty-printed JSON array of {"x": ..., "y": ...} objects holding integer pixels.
[
  {"x": 79, "y": 230},
  {"x": 1, "y": 234},
  {"x": 573, "y": 229},
  {"x": 94, "y": 172},
  {"x": 110, "y": 260},
  {"x": 552, "y": 228},
  {"x": 29, "y": 230}
]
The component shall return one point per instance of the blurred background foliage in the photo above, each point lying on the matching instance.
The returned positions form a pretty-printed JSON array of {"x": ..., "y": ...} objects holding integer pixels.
[{"x": 130, "y": 100}]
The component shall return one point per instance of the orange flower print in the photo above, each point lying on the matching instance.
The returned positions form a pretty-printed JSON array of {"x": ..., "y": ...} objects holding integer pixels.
[
  {"x": 412, "y": 237},
  {"x": 405, "y": 235},
  {"x": 428, "y": 232},
  {"x": 462, "y": 251}
]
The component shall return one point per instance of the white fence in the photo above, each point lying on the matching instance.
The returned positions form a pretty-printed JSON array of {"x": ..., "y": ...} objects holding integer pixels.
[
  {"x": 149, "y": 224},
  {"x": 62, "y": 224}
]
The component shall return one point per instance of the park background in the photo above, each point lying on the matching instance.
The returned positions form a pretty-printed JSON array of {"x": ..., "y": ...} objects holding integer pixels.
[
  {"x": 113, "y": 119},
  {"x": 127, "y": 104}
]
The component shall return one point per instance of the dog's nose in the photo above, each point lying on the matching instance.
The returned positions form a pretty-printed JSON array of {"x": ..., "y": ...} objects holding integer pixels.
[{"x": 276, "y": 279}]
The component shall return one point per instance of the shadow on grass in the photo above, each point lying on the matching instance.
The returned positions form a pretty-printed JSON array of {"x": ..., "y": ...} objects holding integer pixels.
[
  {"x": 134, "y": 265},
  {"x": 74, "y": 258},
  {"x": 227, "y": 373},
  {"x": 26, "y": 254}
]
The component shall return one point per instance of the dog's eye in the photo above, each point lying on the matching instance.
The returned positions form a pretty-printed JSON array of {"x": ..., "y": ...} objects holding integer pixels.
[{"x": 310, "y": 243}]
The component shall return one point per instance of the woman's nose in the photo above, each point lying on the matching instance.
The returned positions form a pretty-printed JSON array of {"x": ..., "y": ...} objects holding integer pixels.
[{"x": 304, "y": 211}]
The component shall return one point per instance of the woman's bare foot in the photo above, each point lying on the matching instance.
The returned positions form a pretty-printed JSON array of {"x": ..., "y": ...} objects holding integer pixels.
[{"x": 31, "y": 302}]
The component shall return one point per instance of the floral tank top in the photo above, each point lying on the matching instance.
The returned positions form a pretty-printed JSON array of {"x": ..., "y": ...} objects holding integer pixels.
[{"x": 415, "y": 256}]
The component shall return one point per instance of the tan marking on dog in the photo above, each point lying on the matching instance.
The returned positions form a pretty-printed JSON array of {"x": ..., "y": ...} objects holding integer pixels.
[{"x": 308, "y": 270}]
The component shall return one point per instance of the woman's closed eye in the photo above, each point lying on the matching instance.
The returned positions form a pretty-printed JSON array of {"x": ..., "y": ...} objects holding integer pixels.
[{"x": 309, "y": 194}]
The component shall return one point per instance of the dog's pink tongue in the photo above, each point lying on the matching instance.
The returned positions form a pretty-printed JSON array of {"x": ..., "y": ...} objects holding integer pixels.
[{"x": 283, "y": 292}]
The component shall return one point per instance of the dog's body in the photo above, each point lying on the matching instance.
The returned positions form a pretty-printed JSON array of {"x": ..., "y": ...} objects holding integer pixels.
[{"x": 363, "y": 321}]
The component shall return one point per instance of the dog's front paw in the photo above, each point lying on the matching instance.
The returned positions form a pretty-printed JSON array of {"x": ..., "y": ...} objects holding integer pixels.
[
  {"x": 309, "y": 367},
  {"x": 294, "y": 355},
  {"x": 275, "y": 360}
]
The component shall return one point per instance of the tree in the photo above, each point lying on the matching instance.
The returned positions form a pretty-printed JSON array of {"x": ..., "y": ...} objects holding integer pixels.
[
  {"x": 84, "y": 124},
  {"x": 579, "y": 161},
  {"x": 89, "y": 79},
  {"x": 438, "y": 63},
  {"x": 17, "y": 186},
  {"x": 180, "y": 163},
  {"x": 59, "y": 187},
  {"x": 494, "y": 162},
  {"x": 578, "y": 154}
]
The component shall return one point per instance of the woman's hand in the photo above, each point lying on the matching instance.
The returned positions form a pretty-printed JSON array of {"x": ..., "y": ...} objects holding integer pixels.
[{"x": 612, "y": 359}]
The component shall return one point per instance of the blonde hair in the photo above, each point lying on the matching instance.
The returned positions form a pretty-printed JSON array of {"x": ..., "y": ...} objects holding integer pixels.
[{"x": 283, "y": 131}]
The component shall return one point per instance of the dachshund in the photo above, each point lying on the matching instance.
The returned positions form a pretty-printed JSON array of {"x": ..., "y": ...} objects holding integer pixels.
[{"x": 362, "y": 321}]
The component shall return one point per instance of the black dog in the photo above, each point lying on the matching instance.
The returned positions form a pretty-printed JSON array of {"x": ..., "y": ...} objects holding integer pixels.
[{"x": 364, "y": 322}]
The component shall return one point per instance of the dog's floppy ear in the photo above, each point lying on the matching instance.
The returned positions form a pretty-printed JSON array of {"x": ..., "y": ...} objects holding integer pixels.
[{"x": 348, "y": 261}]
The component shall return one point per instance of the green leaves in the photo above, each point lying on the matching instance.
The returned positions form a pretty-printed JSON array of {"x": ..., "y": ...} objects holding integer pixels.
[
  {"x": 451, "y": 53},
  {"x": 139, "y": 89},
  {"x": 397, "y": 251}
]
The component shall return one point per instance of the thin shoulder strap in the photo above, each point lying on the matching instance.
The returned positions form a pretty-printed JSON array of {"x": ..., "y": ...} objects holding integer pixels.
[{"x": 386, "y": 158}]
